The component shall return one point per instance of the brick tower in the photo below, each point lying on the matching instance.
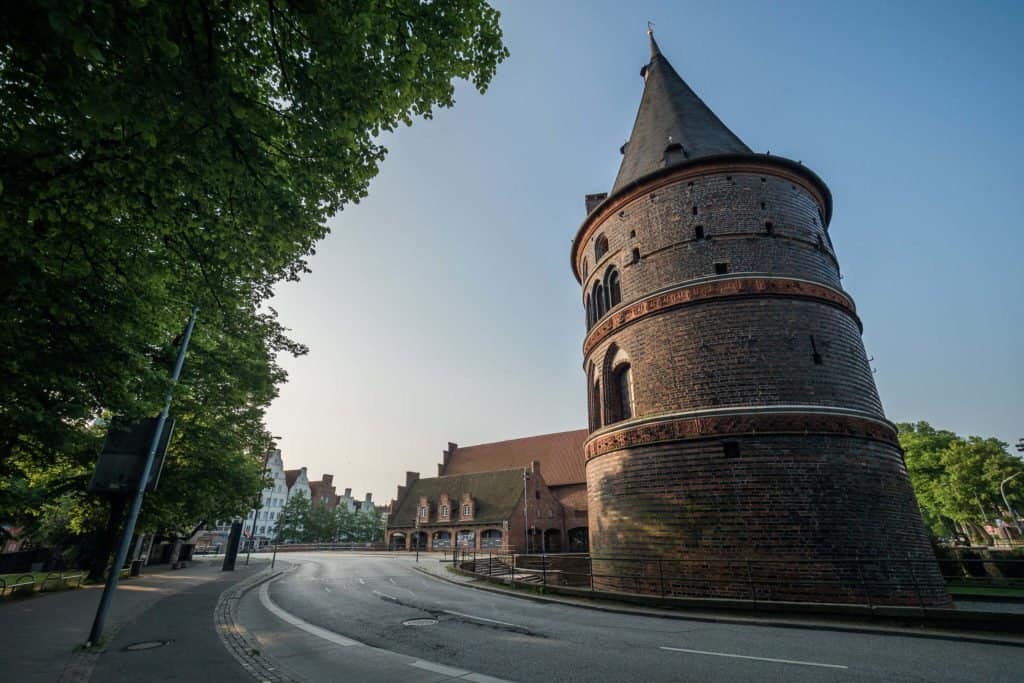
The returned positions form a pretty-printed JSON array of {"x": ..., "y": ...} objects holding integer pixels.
[{"x": 737, "y": 441}]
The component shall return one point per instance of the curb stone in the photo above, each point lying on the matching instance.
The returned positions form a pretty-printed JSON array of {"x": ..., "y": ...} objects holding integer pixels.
[
  {"x": 817, "y": 626},
  {"x": 238, "y": 641}
]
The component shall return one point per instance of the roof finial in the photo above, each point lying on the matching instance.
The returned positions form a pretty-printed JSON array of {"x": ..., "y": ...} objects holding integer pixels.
[{"x": 655, "y": 51}]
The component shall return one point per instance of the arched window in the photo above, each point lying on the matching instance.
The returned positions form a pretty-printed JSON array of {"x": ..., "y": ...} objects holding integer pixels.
[
  {"x": 601, "y": 300},
  {"x": 621, "y": 407},
  {"x": 611, "y": 283},
  {"x": 600, "y": 247},
  {"x": 595, "y": 406},
  {"x": 590, "y": 311},
  {"x": 585, "y": 268},
  {"x": 618, "y": 396}
]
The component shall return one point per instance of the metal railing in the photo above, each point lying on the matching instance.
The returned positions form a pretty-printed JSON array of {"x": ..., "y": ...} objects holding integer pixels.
[
  {"x": 29, "y": 582},
  {"x": 893, "y": 581}
]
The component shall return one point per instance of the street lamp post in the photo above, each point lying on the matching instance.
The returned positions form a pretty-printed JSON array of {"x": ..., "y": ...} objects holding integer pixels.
[
  {"x": 526, "y": 516},
  {"x": 1002, "y": 490}
]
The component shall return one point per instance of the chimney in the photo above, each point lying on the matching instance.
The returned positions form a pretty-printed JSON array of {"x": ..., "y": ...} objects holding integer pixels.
[
  {"x": 592, "y": 200},
  {"x": 535, "y": 466},
  {"x": 411, "y": 477},
  {"x": 328, "y": 479},
  {"x": 369, "y": 497},
  {"x": 348, "y": 493}
]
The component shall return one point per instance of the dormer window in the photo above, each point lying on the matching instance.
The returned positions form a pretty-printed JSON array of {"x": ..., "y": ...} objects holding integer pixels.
[
  {"x": 423, "y": 512},
  {"x": 443, "y": 512},
  {"x": 467, "y": 510}
]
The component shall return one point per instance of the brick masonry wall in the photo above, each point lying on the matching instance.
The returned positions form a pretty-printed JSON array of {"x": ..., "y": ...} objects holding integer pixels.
[
  {"x": 824, "y": 512},
  {"x": 661, "y": 225},
  {"x": 791, "y": 505},
  {"x": 753, "y": 351}
]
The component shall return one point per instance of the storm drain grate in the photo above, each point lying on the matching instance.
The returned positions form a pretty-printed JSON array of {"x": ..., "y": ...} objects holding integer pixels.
[
  {"x": 147, "y": 645},
  {"x": 419, "y": 622}
]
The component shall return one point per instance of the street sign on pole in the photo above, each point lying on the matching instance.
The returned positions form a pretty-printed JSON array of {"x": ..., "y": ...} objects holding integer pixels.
[{"x": 140, "y": 491}]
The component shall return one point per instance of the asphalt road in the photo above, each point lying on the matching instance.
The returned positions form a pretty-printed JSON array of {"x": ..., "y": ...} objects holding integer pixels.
[{"x": 318, "y": 618}]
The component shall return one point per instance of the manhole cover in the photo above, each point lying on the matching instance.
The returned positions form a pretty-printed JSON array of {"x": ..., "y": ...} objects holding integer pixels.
[
  {"x": 147, "y": 645},
  {"x": 419, "y": 622}
]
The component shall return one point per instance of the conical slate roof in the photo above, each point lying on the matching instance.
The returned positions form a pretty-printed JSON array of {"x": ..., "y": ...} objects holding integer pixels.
[{"x": 672, "y": 126}]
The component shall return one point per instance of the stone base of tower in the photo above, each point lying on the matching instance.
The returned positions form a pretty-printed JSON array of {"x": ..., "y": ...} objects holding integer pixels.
[{"x": 810, "y": 518}]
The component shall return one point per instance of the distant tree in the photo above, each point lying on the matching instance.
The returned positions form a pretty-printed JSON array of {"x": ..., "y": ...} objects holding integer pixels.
[
  {"x": 345, "y": 521},
  {"x": 293, "y": 522},
  {"x": 956, "y": 479},
  {"x": 322, "y": 526}
]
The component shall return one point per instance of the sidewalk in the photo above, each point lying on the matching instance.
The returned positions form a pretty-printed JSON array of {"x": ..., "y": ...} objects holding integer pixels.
[
  {"x": 40, "y": 636},
  {"x": 431, "y": 565}
]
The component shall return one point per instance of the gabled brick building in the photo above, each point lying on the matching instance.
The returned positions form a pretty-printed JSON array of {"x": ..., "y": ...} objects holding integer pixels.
[{"x": 551, "y": 517}]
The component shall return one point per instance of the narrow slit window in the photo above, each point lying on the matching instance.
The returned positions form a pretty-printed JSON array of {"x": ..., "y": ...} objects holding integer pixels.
[
  {"x": 695, "y": 211},
  {"x": 698, "y": 232},
  {"x": 721, "y": 268},
  {"x": 815, "y": 356},
  {"x": 769, "y": 227},
  {"x": 636, "y": 255},
  {"x": 731, "y": 449}
]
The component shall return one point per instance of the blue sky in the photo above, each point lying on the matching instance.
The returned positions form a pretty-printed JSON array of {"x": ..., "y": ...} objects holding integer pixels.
[{"x": 442, "y": 308}]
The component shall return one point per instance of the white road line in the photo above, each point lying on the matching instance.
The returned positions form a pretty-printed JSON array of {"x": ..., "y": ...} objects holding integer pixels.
[
  {"x": 362, "y": 582},
  {"x": 470, "y": 616},
  {"x": 760, "y": 659},
  {"x": 439, "y": 668},
  {"x": 392, "y": 581},
  {"x": 327, "y": 589},
  {"x": 301, "y": 624},
  {"x": 385, "y": 595}
]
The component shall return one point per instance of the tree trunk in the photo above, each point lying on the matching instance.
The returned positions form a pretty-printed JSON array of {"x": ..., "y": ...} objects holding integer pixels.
[{"x": 106, "y": 544}]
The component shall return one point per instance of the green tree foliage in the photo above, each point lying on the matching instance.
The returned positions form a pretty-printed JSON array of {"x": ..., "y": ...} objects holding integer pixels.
[
  {"x": 957, "y": 479},
  {"x": 322, "y": 526},
  {"x": 154, "y": 155},
  {"x": 293, "y": 522}
]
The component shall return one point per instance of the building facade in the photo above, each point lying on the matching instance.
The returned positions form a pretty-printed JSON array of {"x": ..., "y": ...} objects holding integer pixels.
[
  {"x": 736, "y": 435},
  {"x": 508, "y": 509}
]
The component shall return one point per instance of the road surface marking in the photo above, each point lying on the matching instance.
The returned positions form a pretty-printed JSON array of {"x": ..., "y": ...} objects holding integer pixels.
[
  {"x": 386, "y": 596},
  {"x": 492, "y": 621},
  {"x": 332, "y": 637},
  {"x": 439, "y": 668},
  {"x": 327, "y": 589},
  {"x": 301, "y": 624},
  {"x": 392, "y": 581},
  {"x": 362, "y": 582},
  {"x": 760, "y": 659}
]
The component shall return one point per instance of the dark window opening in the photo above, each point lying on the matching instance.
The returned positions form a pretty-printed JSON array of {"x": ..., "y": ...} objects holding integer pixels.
[
  {"x": 590, "y": 312},
  {"x": 600, "y": 247},
  {"x": 632, "y": 233},
  {"x": 600, "y": 300},
  {"x": 721, "y": 268},
  {"x": 698, "y": 232},
  {"x": 763, "y": 205},
  {"x": 595, "y": 401},
  {"x": 612, "y": 288},
  {"x": 621, "y": 401},
  {"x": 769, "y": 227},
  {"x": 636, "y": 255},
  {"x": 695, "y": 211},
  {"x": 586, "y": 267},
  {"x": 536, "y": 494},
  {"x": 763, "y": 180},
  {"x": 731, "y": 449},
  {"x": 689, "y": 184},
  {"x": 728, "y": 177}
]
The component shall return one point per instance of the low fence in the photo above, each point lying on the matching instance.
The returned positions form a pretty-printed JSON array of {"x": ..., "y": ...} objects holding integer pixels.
[
  {"x": 872, "y": 581},
  {"x": 313, "y": 547},
  {"x": 30, "y": 583}
]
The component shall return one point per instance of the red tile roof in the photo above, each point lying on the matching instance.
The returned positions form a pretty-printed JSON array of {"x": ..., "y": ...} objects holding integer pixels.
[{"x": 560, "y": 455}]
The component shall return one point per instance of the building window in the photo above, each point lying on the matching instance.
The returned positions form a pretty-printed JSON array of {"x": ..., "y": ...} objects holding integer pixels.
[
  {"x": 589, "y": 311},
  {"x": 600, "y": 301},
  {"x": 444, "y": 511},
  {"x": 721, "y": 268},
  {"x": 731, "y": 449},
  {"x": 769, "y": 227},
  {"x": 636, "y": 255},
  {"x": 586, "y": 268},
  {"x": 621, "y": 404},
  {"x": 611, "y": 279},
  {"x": 595, "y": 400},
  {"x": 698, "y": 232},
  {"x": 423, "y": 512},
  {"x": 467, "y": 510},
  {"x": 600, "y": 247}
]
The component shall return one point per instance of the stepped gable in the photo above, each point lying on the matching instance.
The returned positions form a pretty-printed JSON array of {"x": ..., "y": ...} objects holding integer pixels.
[
  {"x": 290, "y": 476},
  {"x": 495, "y": 496},
  {"x": 673, "y": 125},
  {"x": 560, "y": 456}
]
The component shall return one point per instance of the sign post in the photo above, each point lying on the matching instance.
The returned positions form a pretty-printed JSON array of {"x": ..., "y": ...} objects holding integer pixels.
[{"x": 140, "y": 491}]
